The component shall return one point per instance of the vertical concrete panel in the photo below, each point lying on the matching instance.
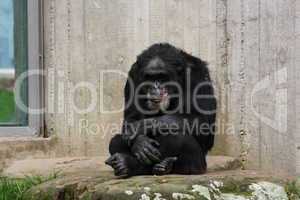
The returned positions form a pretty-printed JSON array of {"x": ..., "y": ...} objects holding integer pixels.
[
  {"x": 49, "y": 59},
  {"x": 205, "y": 25},
  {"x": 251, "y": 42},
  {"x": 218, "y": 54},
  {"x": 174, "y": 14},
  {"x": 141, "y": 25},
  {"x": 192, "y": 27},
  {"x": 267, "y": 69},
  {"x": 234, "y": 71},
  {"x": 297, "y": 83},
  {"x": 277, "y": 102},
  {"x": 157, "y": 21},
  {"x": 56, "y": 62},
  {"x": 212, "y": 41},
  {"x": 117, "y": 56},
  {"x": 286, "y": 88},
  {"x": 88, "y": 125}
]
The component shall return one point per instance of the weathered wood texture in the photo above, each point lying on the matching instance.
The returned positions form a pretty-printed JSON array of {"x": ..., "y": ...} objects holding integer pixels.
[{"x": 252, "y": 48}]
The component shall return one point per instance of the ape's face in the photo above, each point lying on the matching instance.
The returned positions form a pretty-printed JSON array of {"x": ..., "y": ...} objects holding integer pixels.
[
  {"x": 157, "y": 79},
  {"x": 157, "y": 97}
]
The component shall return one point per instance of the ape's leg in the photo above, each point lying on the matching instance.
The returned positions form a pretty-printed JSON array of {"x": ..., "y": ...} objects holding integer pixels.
[
  {"x": 190, "y": 157},
  {"x": 117, "y": 145},
  {"x": 121, "y": 160}
]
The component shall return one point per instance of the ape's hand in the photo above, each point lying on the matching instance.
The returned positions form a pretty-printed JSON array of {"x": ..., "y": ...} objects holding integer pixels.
[
  {"x": 164, "y": 167},
  {"x": 145, "y": 150},
  {"x": 119, "y": 162}
]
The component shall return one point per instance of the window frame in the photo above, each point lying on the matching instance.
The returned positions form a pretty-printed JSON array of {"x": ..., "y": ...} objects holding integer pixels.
[{"x": 35, "y": 83}]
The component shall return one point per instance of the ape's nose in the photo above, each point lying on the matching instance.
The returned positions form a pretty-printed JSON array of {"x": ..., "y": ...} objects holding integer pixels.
[{"x": 155, "y": 92}]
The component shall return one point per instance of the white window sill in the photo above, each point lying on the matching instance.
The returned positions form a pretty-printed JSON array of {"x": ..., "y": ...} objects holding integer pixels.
[{"x": 17, "y": 132}]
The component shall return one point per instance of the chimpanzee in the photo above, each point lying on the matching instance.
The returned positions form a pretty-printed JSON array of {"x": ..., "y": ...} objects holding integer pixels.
[{"x": 169, "y": 117}]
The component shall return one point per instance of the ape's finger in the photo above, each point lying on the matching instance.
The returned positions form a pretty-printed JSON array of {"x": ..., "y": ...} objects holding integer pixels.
[
  {"x": 154, "y": 142},
  {"x": 172, "y": 159},
  {"x": 113, "y": 165},
  {"x": 145, "y": 158},
  {"x": 154, "y": 151},
  {"x": 160, "y": 168},
  {"x": 110, "y": 160},
  {"x": 114, "y": 161},
  {"x": 120, "y": 166},
  {"x": 151, "y": 155},
  {"x": 122, "y": 173},
  {"x": 138, "y": 157}
]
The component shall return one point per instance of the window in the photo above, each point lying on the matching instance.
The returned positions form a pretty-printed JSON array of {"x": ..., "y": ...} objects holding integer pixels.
[{"x": 20, "y": 82}]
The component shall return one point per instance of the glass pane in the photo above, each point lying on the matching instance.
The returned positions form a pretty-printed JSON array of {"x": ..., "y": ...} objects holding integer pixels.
[{"x": 13, "y": 60}]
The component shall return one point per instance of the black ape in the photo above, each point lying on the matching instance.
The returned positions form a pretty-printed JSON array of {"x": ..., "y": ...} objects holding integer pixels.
[{"x": 169, "y": 116}]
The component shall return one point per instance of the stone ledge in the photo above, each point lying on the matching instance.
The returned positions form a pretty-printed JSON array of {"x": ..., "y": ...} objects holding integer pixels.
[
  {"x": 226, "y": 185},
  {"x": 14, "y": 148},
  {"x": 69, "y": 165}
]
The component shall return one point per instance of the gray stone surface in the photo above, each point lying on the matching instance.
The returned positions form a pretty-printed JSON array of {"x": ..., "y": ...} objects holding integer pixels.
[{"x": 226, "y": 185}]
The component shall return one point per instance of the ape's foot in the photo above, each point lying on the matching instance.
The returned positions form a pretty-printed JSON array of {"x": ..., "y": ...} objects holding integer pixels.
[
  {"x": 118, "y": 162},
  {"x": 164, "y": 167}
]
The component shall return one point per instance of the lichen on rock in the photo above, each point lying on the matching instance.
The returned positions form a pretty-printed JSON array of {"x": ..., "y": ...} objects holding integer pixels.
[
  {"x": 201, "y": 191},
  {"x": 181, "y": 196},
  {"x": 234, "y": 185},
  {"x": 267, "y": 190}
]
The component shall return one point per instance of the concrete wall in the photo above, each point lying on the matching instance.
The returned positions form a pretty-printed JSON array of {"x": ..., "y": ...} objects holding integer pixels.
[
  {"x": 263, "y": 66},
  {"x": 252, "y": 48}
]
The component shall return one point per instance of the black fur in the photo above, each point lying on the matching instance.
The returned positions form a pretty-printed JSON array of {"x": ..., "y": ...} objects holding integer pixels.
[{"x": 183, "y": 152}]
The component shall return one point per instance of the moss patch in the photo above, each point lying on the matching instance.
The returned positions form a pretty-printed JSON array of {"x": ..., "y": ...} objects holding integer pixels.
[
  {"x": 293, "y": 190},
  {"x": 16, "y": 188}
]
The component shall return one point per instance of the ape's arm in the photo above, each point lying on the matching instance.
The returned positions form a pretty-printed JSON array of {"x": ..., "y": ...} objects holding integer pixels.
[
  {"x": 205, "y": 104},
  {"x": 131, "y": 114},
  {"x": 169, "y": 124}
]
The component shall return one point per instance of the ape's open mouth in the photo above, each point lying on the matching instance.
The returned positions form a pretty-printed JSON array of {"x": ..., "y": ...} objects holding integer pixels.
[{"x": 156, "y": 99}]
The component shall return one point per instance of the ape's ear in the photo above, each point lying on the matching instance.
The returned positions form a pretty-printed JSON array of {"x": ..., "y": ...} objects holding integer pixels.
[
  {"x": 131, "y": 81},
  {"x": 198, "y": 68},
  {"x": 132, "y": 74},
  {"x": 130, "y": 111}
]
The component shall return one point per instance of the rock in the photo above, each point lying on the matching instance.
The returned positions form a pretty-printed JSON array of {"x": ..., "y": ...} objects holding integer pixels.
[
  {"x": 226, "y": 185},
  {"x": 201, "y": 191},
  {"x": 232, "y": 197},
  {"x": 220, "y": 163},
  {"x": 266, "y": 191}
]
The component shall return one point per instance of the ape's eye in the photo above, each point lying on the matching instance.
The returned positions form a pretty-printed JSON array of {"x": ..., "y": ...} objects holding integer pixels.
[
  {"x": 148, "y": 77},
  {"x": 161, "y": 77}
]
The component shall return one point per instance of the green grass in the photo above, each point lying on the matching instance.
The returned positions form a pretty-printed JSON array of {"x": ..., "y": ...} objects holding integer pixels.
[
  {"x": 7, "y": 106},
  {"x": 14, "y": 189},
  {"x": 293, "y": 190}
]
